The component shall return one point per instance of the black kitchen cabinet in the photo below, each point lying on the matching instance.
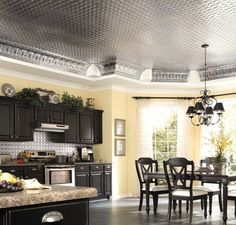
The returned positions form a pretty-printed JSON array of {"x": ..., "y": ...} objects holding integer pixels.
[
  {"x": 82, "y": 175},
  {"x": 23, "y": 122},
  {"x": 26, "y": 171},
  {"x": 67, "y": 213},
  {"x": 72, "y": 119},
  {"x": 86, "y": 127},
  {"x": 34, "y": 171},
  {"x": 49, "y": 114},
  {"x": 107, "y": 180},
  {"x": 97, "y": 126},
  {"x": 96, "y": 178},
  {"x": 16, "y": 119},
  {"x": 6, "y": 119},
  {"x": 96, "y": 175},
  {"x": 18, "y": 171}
]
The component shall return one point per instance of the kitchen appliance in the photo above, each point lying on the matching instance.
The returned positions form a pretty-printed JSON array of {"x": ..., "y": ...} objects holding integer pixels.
[
  {"x": 4, "y": 158},
  {"x": 63, "y": 175},
  {"x": 85, "y": 154},
  {"x": 49, "y": 127},
  {"x": 36, "y": 154}
]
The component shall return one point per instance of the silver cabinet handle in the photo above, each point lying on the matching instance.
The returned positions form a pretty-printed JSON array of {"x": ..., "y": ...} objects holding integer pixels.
[{"x": 53, "y": 216}]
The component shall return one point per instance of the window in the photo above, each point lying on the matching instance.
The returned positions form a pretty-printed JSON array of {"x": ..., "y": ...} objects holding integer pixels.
[{"x": 164, "y": 139}]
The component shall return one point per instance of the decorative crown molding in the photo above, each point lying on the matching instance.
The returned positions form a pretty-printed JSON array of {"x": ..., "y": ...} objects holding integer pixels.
[
  {"x": 162, "y": 76},
  {"x": 223, "y": 71},
  {"x": 121, "y": 68},
  {"x": 43, "y": 59}
]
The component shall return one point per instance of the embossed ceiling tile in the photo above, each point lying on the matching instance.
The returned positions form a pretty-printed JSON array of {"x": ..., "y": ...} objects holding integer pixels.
[{"x": 165, "y": 35}]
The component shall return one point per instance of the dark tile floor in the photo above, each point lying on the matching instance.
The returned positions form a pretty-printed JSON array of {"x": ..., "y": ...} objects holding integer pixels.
[{"x": 125, "y": 212}]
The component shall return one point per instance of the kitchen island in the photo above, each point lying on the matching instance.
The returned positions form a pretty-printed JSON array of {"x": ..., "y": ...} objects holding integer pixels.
[{"x": 58, "y": 205}]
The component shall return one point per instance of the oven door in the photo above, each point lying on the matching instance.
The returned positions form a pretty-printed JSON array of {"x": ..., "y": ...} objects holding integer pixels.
[{"x": 63, "y": 175}]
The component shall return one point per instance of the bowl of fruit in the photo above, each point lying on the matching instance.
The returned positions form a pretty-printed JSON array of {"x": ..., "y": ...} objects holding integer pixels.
[{"x": 10, "y": 183}]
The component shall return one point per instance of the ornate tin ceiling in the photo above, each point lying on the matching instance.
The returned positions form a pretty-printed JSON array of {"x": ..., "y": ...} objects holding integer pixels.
[{"x": 163, "y": 35}]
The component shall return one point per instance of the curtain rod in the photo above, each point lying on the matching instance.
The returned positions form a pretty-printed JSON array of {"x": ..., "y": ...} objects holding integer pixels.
[{"x": 179, "y": 98}]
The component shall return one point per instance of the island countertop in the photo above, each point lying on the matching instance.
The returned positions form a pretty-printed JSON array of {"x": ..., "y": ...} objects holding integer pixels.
[{"x": 40, "y": 196}]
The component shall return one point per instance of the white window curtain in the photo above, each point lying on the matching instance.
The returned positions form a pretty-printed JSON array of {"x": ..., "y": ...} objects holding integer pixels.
[{"x": 154, "y": 113}]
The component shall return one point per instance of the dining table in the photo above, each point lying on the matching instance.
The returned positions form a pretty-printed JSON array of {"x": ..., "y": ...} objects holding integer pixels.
[{"x": 225, "y": 179}]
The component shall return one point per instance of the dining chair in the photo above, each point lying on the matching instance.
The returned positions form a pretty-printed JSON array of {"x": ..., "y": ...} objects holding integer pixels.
[
  {"x": 232, "y": 196},
  {"x": 148, "y": 165},
  {"x": 212, "y": 188},
  {"x": 179, "y": 173}
]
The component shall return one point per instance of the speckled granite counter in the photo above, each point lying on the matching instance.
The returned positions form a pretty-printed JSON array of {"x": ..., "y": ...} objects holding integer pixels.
[{"x": 55, "y": 194}]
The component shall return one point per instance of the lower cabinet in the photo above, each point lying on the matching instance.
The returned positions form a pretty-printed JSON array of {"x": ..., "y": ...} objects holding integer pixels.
[
  {"x": 95, "y": 175},
  {"x": 68, "y": 213},
  {"x": 26, "y": 171}
]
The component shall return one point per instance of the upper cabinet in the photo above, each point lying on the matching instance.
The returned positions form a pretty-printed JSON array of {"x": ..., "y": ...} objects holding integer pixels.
[
  {"x": 97, "y": 124},
  {"x": 49, "y": 114},
  {"x": 72, "y": 119},
  {"x": 16, "y": 119},
  {"x": 86, "y": 127}
]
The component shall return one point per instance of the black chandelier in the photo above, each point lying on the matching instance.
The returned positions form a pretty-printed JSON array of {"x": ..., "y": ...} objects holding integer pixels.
[{"x": 206, "y": 108}]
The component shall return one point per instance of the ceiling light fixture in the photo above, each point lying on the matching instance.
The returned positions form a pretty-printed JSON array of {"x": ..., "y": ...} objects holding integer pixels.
[{"x": 206, "y": 109}]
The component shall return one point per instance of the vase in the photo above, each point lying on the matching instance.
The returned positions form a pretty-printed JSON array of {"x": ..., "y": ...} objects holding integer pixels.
[{"x": 219, "y": 168}]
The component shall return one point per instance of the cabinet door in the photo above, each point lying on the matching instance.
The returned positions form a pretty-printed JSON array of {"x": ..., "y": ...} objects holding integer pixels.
[
  {"x": 72, "y": 119},
  {"x": 107, "y": 183},
  {"x": 41, "y": 114},
  {"x": 6, "y": 120},
  {"x": 86, "y": 127},
  {"x": 34, "y": 172},
  {"x": 98, "y": 126},
  {"x": 73, "y": 213},
  {"x": 18, "y": 171},
  {"x": 56, "y": 115},
  {"x": 23, "y": 122},
  {"x": 82, "y": 179},
  {"x": 96, "y": 180}
]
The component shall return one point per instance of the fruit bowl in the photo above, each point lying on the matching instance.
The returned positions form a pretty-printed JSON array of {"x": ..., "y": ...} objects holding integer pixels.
[{"x": 6, "y": 186}]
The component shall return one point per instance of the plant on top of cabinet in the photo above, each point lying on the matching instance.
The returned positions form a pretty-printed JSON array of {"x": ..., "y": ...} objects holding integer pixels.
[
  {"x": 30, "y": 94},
  {"x": 71, "y": 100}
]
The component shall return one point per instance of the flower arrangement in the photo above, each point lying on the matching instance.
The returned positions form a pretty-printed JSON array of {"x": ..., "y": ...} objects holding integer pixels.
[{"x": 222, "y": 143}]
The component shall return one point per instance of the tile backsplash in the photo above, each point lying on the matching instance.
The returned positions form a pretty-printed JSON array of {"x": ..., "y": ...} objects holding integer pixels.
[{"x": 41, "y": 142}]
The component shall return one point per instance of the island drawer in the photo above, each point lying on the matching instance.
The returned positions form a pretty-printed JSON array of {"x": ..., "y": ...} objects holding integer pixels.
[
  {"x": 96, "y": 167},
  {"x": 75, "y": 213},
  {"x": 81, "y": 168}
]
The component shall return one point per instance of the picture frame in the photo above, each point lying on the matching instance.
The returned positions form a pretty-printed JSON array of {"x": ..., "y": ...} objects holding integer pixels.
[
  {"x": 120, "y": 148},
  {"x": 120, "y": 127}
]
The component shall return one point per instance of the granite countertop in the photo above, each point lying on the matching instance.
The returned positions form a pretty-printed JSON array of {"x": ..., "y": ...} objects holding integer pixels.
[{"x": 40, "y": 196}]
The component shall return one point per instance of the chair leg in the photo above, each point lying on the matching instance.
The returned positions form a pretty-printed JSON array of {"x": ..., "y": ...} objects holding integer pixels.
[
  {"x": 155, "y": 202},
  {"x": 187, "y": 206},
  {"x": 170, "y": 207},
  {"x": 202, "y": 204},
  {"x": 210, "y": 203},
  {"x": 174, "y": 205},
  {"x": 140, "y": 201},
  {"x": 205, "y": 207},
  {"x": 191, "y": 211},
  {"x": 180, "y": 207},
  {"x": 220, "y": 202},
  {"x": 235, "y": 208}
]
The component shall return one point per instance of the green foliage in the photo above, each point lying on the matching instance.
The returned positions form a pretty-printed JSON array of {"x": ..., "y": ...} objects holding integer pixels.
[
  {"x": 30, "y": 94},
  {"x": 71, "y": 100}
]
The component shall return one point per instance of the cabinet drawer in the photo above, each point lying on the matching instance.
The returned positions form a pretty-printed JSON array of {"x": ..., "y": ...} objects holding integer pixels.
[
  {"x": 33, "y": 169},
  {"x": 70, "y": 213},
  {"x": 16, "y": 170},
  {"x": 107, "y": 167},
  {"x": 81, "y": 168},
  {"x": 96, "y": 167}
]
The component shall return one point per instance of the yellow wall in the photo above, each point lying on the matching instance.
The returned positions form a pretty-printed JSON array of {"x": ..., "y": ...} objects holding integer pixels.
[{"x": 116, "y": 104}]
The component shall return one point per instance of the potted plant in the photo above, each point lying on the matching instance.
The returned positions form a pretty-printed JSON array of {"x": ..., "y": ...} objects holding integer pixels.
[
  {"x": 71, "y": 100},
  {"x": 221, "y": 143}
]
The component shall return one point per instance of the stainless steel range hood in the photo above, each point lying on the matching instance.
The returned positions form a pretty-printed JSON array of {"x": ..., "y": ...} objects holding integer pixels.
[{"x": 49, "y": 127}]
